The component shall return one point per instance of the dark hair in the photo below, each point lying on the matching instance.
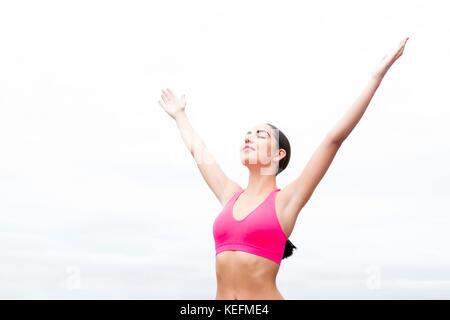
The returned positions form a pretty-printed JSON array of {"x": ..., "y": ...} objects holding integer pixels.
[
  {"x": 283, "y": 143},
  {"x": 288, "y": 249}
]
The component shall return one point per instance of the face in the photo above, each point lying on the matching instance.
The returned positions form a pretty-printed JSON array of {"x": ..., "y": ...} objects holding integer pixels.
[{"x": 262, "y": 151}]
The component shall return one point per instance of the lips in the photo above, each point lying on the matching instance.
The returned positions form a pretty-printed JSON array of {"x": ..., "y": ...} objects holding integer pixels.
[{"x": 248, "y": 147}]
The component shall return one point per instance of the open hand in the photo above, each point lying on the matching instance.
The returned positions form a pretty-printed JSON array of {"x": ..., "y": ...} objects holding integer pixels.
[
  {"x": 388, "y": 60},
  {"x": 171, "y": 103}
]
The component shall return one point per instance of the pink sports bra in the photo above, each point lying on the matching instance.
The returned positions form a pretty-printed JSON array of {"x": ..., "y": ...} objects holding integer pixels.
[{"x": 259, "y": 233}]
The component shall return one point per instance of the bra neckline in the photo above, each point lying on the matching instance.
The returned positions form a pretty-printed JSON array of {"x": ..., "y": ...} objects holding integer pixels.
[{"x": 251, "y": 212}]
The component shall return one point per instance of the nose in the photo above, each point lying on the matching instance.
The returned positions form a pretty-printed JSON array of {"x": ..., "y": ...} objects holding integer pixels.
[{"x": 248, "y": 140}]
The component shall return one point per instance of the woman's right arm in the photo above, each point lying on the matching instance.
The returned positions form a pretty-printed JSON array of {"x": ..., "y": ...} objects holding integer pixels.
[{"x": 219, "y": 183}]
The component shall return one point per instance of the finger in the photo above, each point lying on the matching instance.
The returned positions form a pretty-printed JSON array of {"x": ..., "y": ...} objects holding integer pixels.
[
  {"x": 170, "y": 92},
  {"x": 165, "y": 93},
  {"x": 159, "y": 101},
  {"x": 403, "y": 42},
  {"x": 166, "y": 97}
]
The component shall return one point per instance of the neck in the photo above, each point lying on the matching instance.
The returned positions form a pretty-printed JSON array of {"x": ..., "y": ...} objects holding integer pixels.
[{"x": 260, "y": 182}]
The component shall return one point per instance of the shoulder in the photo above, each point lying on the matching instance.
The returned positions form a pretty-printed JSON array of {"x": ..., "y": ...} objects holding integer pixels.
[{"x": 229, "y": 191}]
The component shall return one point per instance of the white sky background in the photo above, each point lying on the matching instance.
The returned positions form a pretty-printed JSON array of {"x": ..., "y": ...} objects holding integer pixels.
[{"x": 100, "y": 198}]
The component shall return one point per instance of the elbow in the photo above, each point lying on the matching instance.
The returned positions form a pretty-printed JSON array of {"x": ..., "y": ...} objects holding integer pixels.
[
  {"x": 338, "y": 141},
  {"x": 335, "y": 138}
]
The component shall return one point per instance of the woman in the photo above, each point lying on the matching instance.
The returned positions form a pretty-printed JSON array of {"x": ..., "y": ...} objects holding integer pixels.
[{"x": 251, "y": 233}]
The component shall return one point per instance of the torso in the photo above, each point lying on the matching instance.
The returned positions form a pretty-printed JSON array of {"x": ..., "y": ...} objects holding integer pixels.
[{"x": 241, "y": 275}]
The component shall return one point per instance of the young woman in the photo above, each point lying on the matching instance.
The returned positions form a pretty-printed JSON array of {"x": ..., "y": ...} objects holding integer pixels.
[{"x": 252, "y": 230}]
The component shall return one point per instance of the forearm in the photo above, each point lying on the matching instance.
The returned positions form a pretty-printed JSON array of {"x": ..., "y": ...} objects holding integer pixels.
[
  {"x": 191, "y": 139},
  {"x": 346, "y": 124}
]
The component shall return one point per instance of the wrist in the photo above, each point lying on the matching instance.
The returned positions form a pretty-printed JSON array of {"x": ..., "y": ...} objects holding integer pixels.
[
  {"x": 179, "y": 115},
  {"x": 381, "y": 72}
]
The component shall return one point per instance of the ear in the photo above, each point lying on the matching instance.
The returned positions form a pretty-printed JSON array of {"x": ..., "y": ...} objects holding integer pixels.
[{"x": 281, "y": 154}]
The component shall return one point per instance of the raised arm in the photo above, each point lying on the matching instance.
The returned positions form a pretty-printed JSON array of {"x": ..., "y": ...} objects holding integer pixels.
[
  {"x": 298, "y": 192},
  {"x": 220, "y": 184}
]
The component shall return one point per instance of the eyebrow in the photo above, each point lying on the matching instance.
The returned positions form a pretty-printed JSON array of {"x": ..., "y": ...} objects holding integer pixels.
[{"x": 257, "y": 131}]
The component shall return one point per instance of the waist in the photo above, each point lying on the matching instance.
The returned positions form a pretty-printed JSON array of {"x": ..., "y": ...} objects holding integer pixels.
[{"x": 245, "y": 272}]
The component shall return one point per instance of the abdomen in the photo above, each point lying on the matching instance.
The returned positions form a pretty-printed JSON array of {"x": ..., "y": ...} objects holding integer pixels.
[{"x": 242, "y": 275}]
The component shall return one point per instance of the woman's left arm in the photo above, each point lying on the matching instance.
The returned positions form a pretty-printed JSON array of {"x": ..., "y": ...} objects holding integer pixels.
[
  {"x": 355, "y": 112},
  {"x": 296, "y": 194}
]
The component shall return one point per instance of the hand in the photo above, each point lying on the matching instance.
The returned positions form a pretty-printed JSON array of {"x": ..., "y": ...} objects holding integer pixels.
[
  {"x": 388, "y": 60},
  {"x": 172, "y": 104}
]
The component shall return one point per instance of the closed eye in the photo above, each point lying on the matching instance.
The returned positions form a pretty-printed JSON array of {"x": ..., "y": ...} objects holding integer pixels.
[{"x": 261, "y": 133}]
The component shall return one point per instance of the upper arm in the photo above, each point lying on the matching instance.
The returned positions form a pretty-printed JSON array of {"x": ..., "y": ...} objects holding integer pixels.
[
  {"x": 220, "y": 184},
  {"x": 298, "y": 192}
]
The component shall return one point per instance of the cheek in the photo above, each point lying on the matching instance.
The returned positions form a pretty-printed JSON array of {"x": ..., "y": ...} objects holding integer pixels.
[{"x": 264, "y": 148}]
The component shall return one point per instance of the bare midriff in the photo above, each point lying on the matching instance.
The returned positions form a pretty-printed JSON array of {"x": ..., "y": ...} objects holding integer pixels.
[{"x": 244, "y": 276}]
